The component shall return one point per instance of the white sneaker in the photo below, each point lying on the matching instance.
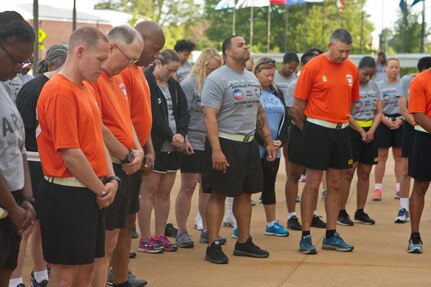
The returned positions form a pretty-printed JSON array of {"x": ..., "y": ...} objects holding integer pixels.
[
  {"x": 403, "y": 216},
  {"x": 229, "y": 220},
  {"x": 198, "y": 222}
]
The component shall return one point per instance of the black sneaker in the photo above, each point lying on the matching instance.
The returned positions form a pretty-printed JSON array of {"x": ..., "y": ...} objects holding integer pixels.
[
  {"x": 293, "y": 223},
  {"x": 249, "y": 249},
  {"x": 362, "y": 217},
  {"x": 134, "y": 233},
  {"x": 133, "y": 280},
  {"x": 318, "y": 222},
  {"x": 132, "y": 254},
  {"x": 215, "y": 254},
  {"x": 344, "y": 219},
  {"x": 170, "y": 230}
]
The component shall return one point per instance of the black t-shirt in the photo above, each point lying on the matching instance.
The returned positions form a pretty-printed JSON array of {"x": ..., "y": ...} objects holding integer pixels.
[{"x": 26, "y": 102}]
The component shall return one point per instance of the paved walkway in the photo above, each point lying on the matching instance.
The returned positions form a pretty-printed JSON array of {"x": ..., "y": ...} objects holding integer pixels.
[{"x": 379, "y": 259}]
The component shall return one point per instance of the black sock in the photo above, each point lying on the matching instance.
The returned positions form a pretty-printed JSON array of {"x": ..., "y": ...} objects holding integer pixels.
[
  {"x": 306, "y": 233},
  {"x": 330, "y": 233},
  {"x": 415, "y": 237},
  {"x": 360, "y": 210},
  {"x": 124, "y": 284},
  {"x": 342, "y": 212}
]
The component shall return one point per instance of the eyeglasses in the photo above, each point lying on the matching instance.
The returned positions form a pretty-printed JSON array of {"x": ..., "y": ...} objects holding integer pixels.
[
  {"x": 170, "y": 71},
  {"x": 131, "y": 60},
  {"x": 266, "y": 62},
  {"x": 18, "y": 64}
]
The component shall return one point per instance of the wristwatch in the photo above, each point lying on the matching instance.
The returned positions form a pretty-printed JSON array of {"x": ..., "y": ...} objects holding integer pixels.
[
  {"x": 29, "y": 200},
  {"x": 111, "y": 178},
  {"x": 129, "y": 157}
]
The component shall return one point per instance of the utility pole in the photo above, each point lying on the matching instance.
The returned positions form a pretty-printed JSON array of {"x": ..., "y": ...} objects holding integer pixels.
[{"x": 36, "y": 30}]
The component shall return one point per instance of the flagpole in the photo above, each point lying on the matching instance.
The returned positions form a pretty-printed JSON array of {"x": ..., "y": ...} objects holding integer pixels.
[
  {"x": 285, "y": 29},
  {"x": 423, "y": 27},
  {"x": 268, "y": 42},
  {"x": 234, "y": 18},
  {"x": 323, "y": 25},
  {"x": 304, "y": 42},
  {"x": 251, "y": 28},
  {"x": 361, "y": 45}
]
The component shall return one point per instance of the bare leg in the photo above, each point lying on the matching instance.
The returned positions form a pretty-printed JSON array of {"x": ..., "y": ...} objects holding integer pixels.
[
  {"x": 332, "y": 203},
  {"x": 102, "y": 264},
  {"x": 291, "y": 187},
  {"x": 163, "y": 201},
  {"x": 309, "y": 196},
  {"x": 396, "y": 152},
  {"x": 184, "y": 198},
  {"x": 17, "y": 273},
  {"x": 379, "y": 171},
  {"x": 242, "y": 212},
  {"x": 346, "y": 182},
  {"x": 417, "y": 201},
  {"x": 148, "y": 191},
  {"x": 64, "y": 275},
  {"x": 36, "y": 248},
  {"x": 84, "y": 275},
  {"x": 405, "y": 178},
  {"x": 203, "y": 200},
  {"x": 214, "y": 215},
  {"x": 363, "y": 184}
]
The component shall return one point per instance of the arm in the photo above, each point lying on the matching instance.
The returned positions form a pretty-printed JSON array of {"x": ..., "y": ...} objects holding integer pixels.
[
  {"x": 298, "y": 112},
  {"x": 111, "y": 188},
  {"x": 262, "y": 130},
  {"x": 136, "y": 164},
  {"x": 404, "y": 111},
  {"x": 16, "y": 213},
  {"x": 219, "y": 160},
  {"x": 27, "y": 195},
  {"x": 423, "y": 120},
  {"x": 114, "y": 146},
  {"x": 149, "y": 157}
]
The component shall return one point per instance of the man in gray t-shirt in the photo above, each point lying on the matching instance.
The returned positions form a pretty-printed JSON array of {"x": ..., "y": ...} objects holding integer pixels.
[{"x": 233, "y": 113}]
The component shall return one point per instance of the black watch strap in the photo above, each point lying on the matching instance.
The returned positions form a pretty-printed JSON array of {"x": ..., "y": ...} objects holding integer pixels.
[{"x": 111, "y": 178}]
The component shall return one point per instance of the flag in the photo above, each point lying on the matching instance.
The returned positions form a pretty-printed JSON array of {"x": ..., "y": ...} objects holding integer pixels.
[
  {"x": 403, "y": 4},
  {"x": 340, "y": 3},
  {"x": 294, "y": 2},
  {"x": 251, "y": 3},
  {"x": 416, "y": 2},
  {"x": 225, "y": 4},
  {"x": 277, "y": 2}
]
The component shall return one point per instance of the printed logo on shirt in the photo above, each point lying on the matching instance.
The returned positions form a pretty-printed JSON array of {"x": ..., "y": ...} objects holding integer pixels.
[
  {"x": 386, "y": 98},
  {"x": 198, "y": 104},
  {"x": 324, "y": 79},
  {"x": 10, "y": 124},
  {"x": 349, "y": 79},
  {"x": 358, "y": 105},
  {"x": 238, "y": 95},
  {"x": 123, "y": 89}
]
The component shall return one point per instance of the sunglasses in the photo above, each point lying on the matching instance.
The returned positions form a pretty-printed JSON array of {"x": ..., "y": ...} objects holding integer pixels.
[
  {"x": 18, "y": 64},
  {"x": 131, "y": 60},
  {"x": 266, "y": 62}
]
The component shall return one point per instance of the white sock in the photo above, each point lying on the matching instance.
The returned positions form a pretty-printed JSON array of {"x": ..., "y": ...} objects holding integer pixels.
[
  {"x": 397, "y": 187},
  {"x": 41, "y": 275},
  {"x": 290, "y": 214},
  {"x": 315, "y": 213},
  {"x": 377, "y": 186},
  {"x": 271, "y": 223},
  {"x": 229, "y": 206},
  {"x": 404, "y": 203},
  {"x": 15, "y": 282}
]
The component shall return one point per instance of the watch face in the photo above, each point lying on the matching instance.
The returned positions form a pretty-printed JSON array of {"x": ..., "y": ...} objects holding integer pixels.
[{"x": 131, "y": 156}]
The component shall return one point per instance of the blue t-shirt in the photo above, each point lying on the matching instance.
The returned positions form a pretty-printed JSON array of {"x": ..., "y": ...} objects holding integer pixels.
[{"x": 274, "y": 110}]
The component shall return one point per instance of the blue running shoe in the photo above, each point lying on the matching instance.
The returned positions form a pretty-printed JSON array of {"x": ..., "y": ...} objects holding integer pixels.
[
  {"x": 306, "y": 246},
  {"x": 235, "y": 233},
  {"x": 336, "y": 243},
  {"x": 277, "y": 230},
  {"x": 415, "y": 248}
]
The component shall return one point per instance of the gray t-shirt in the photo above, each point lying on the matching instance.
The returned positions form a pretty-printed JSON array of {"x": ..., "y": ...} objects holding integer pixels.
[
  {"x": 403, "y": 88},
  {"x": 183, "y": 71},
  {"x": 167, "y": 146},
  {"x": 390, "y": 101},
  {"x": 12, "y": 136},
  {"x": 380, "y": 74},
  {"x": 236, "y": 95},
  {"x": 196, "y": 133},
  {"x": 16, "y": 84},
  {"x": 281, "y": 82},
  {"x": 288, "y": 96},
  {"x": 365, "y": 107}
]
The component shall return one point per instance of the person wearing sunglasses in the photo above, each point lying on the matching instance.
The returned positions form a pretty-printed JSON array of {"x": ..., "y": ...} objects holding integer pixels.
[
  {"x": 273, "y": 103},
  {"x": 16, "y": 211}
]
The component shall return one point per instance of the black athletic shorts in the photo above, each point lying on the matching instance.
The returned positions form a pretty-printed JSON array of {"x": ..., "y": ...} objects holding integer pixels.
[
  {"x": 420, "y": 159},
  {"x": 193, "y": 163},
  {"x": 167, "y": 162},
  {"x": 9, "y": 241},
  {"x": 36, "y": 176},
  {"x": 244, "y": 175},
  {"x": 116, "y": 213},
  {"x": 407, "y": 140},
  {"x": 295, "y": 145},
  {"x": 135, "y": 181},
  {"x": 326, "y": 148},
  {"x": 386, "y": 138},
  {"x": 72, "y": 224},
  {"x": 366, "y": 153}
]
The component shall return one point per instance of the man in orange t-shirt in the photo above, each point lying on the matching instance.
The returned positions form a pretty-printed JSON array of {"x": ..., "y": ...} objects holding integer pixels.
[
  {"x": 420, "y": 158},
  {"x": 324, "y": 93},
  {"x": 74, "y": 160},
  {"x": 125, "y": 150}
]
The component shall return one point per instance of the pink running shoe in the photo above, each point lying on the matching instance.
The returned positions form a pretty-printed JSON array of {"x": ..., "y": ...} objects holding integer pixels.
[
  {"x": 150, "y": 245},
  {"x": 377, "y": 195},
  {"x": 167, "y": 245}
]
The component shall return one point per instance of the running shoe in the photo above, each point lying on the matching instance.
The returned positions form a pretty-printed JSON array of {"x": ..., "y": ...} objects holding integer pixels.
[
  {"x": 150, "y": 245},
  {"x": 215, "y": 254},
  {"x": 134, "y": 233},
  {"x": 336, "y": 243},
  {"x": 133, "y": 280},
  {"x": 167, "y": 245},
  {"x": 317, "y": 222},
  {"x": 293, "y": 223},
  {"x": 298, "y": 199},
  {"x": 403, "y": 216},
  {"x": 204, "y": 238},
  {"x": 344, "y": 219},
  {"x": 170, "y": 230},
  {"x": 324, "y": 193},
  {"x": 249, "y": 249},
  {"x": 397, "y": 194},
  {"x": 276, "y": 230},
  {"x": 415, "y": 248},
  {"x": 377, "y": 196},
  {"x": 252, "y": 202},
  {"x": 363, "y": 218},
  {"x": 306, "y": 245},
  {"x": 132, "y": 254},
  {"x": 303, "y": 178},
  {"x": 235, "y": 232},
  {"x": 183, "y": 240}
]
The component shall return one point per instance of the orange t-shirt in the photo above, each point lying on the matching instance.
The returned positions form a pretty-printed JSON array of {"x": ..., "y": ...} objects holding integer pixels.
[
  {"x": 420, "y": 94},
  {"x": 111, "y": 95},
  {"x": 69, "y": 118},
  {"x": 329, "y": 89},
  {"x": 139, "y": 100}
]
